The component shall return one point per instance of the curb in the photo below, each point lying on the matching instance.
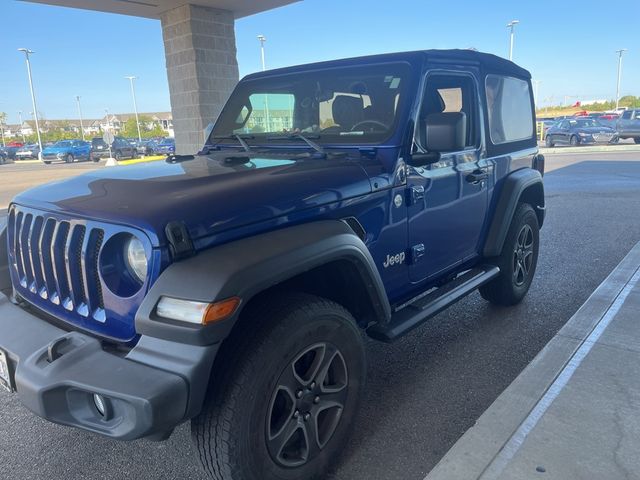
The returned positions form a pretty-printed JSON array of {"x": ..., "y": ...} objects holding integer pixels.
[
  {"x": 591, "y": 149},
  {"x": 479, "y": 448}
]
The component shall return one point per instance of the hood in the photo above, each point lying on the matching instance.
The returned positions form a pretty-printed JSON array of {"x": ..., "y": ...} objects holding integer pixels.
[{"x": 209, "y": 193}]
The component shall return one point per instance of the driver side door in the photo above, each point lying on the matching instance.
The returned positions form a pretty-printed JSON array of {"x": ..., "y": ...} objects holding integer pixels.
[{"x": 447, "y": 199}]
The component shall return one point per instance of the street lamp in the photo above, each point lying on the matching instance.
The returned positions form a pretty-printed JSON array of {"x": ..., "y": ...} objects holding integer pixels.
[
  {"x": 21, "y": 130},
  {"x": 262, "y": 39},
  {"x": 511, "y": 26},
  {"x": 80, "y": 114},
  {"x": 135, "y": 107},
  {"x": 267, "y": 122},
  {"x": 619, "y": 52},
  {"x": 28, "y": 52}
]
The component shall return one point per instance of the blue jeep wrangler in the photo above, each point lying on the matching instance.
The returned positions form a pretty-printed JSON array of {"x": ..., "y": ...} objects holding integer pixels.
[{"x": 233, "y": 288}]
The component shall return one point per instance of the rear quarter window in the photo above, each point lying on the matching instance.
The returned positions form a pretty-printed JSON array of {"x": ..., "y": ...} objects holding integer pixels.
[{"x": 509, "y": 109}]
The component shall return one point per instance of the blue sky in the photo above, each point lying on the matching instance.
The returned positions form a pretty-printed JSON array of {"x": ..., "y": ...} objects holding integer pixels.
[{"x": 568, "y": 45}]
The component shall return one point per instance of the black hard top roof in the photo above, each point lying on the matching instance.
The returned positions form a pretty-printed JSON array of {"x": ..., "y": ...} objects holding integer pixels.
[{"x": 487, "y": 61}]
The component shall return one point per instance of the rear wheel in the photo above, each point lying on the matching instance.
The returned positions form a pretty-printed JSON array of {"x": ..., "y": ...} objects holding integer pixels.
[
  {"x": 118, "y": 156},
  {"x": 283, "y": 394},
  {"x": 549, "y": 141},
  {"x": 574, "y": 141},
  {"x": 47, "y": 162},
  {"x": 69, "y": 158},
  {"x": 517, "y": 261},
  {"x": 636, "y": 139}
]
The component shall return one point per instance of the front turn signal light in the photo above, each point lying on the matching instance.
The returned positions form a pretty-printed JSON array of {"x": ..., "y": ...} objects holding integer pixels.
[{"x": 199, "y": 313}]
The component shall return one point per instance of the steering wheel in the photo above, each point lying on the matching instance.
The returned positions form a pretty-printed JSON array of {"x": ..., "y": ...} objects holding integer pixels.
[{"x": 372, "y": 122}]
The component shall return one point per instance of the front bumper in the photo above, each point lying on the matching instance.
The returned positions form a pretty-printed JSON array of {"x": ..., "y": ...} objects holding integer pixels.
[
  {"x": 149, "y": 390},
  {"x": 99, "y": 154}
]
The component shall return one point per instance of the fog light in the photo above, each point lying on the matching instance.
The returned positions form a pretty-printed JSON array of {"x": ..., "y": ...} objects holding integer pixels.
[{"x": 100, "y": 403}]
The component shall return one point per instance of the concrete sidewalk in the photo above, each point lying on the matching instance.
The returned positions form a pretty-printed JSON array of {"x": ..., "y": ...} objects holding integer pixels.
[{"x": 574, "y": 412}]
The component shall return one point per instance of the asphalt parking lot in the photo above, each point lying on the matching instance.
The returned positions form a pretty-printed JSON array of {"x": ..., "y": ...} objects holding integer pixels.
[{"x": 425, "y": 390}]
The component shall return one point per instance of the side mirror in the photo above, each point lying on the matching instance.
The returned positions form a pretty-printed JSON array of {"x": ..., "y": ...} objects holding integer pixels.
[{"x": 445, "y": 132}]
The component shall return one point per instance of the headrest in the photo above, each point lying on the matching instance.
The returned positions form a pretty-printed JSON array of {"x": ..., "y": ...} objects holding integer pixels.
[{"x": 347, "y": 111}]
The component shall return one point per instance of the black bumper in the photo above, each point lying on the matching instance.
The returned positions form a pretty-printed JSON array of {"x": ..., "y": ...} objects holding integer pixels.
[{"x": 154, "y": 387}]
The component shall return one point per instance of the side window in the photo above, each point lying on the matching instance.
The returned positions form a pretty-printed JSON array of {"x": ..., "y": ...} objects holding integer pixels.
[
  {"x": 451, "y": 93},
  {"x": 626, "y": 114},
  {"x": 637, "y": 115},
  {"x": 508, "y": 109}
]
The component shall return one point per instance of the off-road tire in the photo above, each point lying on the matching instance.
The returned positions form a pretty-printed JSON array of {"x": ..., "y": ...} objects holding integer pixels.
[
  {"x": 230, "y": 434},
  {"x": 509, "y": 287}
]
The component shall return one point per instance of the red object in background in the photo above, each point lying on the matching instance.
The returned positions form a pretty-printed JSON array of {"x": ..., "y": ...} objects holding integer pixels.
[
  {"x": 609, "y": 116},
  {"x": 15, "y": 144},
  {"x": 583, "y": 113}
]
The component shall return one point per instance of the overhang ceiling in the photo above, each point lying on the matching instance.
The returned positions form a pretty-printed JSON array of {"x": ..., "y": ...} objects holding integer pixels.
[{"x": 153, "y": 8}]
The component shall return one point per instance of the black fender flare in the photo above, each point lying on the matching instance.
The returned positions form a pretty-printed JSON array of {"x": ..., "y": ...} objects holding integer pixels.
[
  {"x": 248, "y": 266},
  {"x": 524, "y": 184}
]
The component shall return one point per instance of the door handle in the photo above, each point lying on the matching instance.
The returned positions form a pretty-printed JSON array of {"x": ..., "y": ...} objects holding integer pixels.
[{"x": 477, "y": 176}]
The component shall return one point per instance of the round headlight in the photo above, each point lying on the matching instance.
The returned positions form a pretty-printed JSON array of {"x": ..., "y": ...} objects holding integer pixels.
[{"x": 136, "y": 258}]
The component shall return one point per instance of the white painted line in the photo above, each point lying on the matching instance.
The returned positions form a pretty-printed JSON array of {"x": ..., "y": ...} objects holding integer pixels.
[{"x": 501, "y": 461}]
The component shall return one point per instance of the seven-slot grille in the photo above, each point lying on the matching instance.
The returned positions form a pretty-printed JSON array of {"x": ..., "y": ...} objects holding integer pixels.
[{"x": 57, "y": 260}]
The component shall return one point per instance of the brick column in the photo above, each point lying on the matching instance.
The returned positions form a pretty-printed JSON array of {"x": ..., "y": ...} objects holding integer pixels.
[{"x": 200, "y": 52}]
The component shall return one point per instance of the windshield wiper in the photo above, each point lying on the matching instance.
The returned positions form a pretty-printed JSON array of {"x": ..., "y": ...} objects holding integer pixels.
[
  {"x": 306, "y": 140},
  {"x": 240, "y": 138}
]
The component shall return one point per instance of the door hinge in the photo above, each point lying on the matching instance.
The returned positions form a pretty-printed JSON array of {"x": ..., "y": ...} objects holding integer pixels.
[
  {"x": 417, "y": 252},
  {"x": 415, "y": 194}
]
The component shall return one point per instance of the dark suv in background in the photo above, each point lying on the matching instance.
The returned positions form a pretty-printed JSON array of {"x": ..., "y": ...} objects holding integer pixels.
[
  {"x": 120, "y": 148},
  {"x": 628, "y": 125}
]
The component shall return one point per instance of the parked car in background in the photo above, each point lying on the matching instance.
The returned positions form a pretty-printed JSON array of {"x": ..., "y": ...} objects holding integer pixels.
[
  {"x": 165, "y": 147},
  {"x": 10, "y": 151},
  {"x": 27, "y": 152},
  {"x": 628, "y": 125},
  {"x": 4, "y": 158},
  {"x": 120, "y": 148},
  {"x": 141, "y": 147},
  {"x": 67, "y": 151},
  {"x": 579, "y": 131}
]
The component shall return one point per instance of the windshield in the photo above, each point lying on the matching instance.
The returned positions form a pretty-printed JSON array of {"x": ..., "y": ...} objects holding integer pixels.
[
  {"x": 63, "y": 143},
  {"x": 582, "y": 123},
  {"x": 341, "y": 105},
  {"x": 167, "y": 141}
]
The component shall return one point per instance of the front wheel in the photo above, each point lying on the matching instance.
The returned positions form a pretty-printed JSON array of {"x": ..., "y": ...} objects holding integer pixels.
[
  {"x": 284, "y": 392},
  {"x": 573, "y": 141},
  {"x": 517, "y": 261},
  {"x": 69, "y": 158},
  {"x": 637, "y": 140},
  {"x": 549, "y": 141}
]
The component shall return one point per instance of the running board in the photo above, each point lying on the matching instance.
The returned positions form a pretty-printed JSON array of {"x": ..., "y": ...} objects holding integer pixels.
[{"x": 418, "y": 312}]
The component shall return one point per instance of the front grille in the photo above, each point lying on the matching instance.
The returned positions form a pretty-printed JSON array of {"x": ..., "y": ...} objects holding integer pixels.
[{"x": 57, "y": 261}]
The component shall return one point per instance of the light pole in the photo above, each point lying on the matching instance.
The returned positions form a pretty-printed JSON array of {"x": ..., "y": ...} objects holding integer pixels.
[
  {"x": 21, "y": 131},
  {"x": 511, "y": 26},
  {"x": 262, "y": 39},
  {"x": 267, "y": 122},
  {"x": 135, "y": 106},
  {"x": 619, "y": 52},
  {"x": 28, "y": 52},
  {"x": 80, "y": 114}
]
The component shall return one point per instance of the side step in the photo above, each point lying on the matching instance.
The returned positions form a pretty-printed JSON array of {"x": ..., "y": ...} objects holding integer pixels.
[{"x": 414, "y": 314}]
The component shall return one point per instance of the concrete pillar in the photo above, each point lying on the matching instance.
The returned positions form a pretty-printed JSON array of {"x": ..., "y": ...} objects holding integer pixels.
[{"x": 200, "y": 52}]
